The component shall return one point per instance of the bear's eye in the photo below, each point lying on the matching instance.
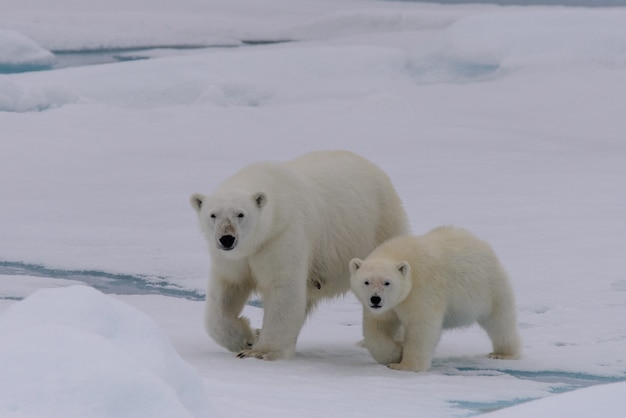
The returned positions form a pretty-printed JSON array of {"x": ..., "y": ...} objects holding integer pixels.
[
  {"x": 386, "y": 283},
  {"x": 213, "y": 216},
  {"x": 366, "y": 283},
  {"x": 240, "y": 215}
]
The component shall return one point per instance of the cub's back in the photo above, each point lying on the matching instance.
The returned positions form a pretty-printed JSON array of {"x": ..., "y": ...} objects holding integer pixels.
[{"x": 447, "y": 249}]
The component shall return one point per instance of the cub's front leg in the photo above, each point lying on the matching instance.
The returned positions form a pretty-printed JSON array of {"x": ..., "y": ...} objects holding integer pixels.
[
  {"x": 224, "y": 302},
  {"x": 379, "y": 332},
  {"x": 420, "y": 340}
]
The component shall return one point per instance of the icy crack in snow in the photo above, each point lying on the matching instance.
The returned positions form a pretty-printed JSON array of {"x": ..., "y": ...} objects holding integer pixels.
[
  {"x": 561, "y": 382},
  {"x": 125, "y": 284},
  {"x": 64, "y": 58},
  {"x": 565, "y": 380}
]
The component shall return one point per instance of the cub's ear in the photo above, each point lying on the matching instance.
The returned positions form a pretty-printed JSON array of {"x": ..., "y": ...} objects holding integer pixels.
[
  {"x": 404, "y": 268},
  {"x": 260, "y": 199},
  {"x": 196, "y": 200},
  {"x": 355, "y": 264}
]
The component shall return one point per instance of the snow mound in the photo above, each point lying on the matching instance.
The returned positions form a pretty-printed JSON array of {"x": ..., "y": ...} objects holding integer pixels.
[
  {"x": 476, "y": 48},
  {"x": 74, "y": 352},
  {"x": 19, "y": 97},
  {"x": 19, "y": 53},
  {"x": 548, "y": 37},
  {"x": 222, "y": 79}
]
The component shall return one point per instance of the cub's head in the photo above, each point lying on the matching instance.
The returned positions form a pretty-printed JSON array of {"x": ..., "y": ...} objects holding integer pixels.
[
  {"x": 229, "y": 220},
  {"x": 380, "y": 285}
]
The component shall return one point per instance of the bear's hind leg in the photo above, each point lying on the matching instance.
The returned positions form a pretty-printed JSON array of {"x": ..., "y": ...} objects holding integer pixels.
[{"x": 501, "y": 326}]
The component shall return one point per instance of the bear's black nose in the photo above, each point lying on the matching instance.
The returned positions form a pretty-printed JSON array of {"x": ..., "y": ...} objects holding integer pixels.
[
  {"x": 375, "y": 301},
  {"x": 227, "y": 242}
]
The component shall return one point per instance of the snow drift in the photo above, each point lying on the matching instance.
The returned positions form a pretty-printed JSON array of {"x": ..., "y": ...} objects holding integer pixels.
[{"x": 73, "y": 352}]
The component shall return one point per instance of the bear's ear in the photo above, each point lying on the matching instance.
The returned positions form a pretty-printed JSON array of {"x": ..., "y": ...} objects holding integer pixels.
[
  {"x": 196, "y": 201},
  {"x": 355, "y": 264},
  {"x": 404, "y": 268},
  {"x": 260, "y": 199}
]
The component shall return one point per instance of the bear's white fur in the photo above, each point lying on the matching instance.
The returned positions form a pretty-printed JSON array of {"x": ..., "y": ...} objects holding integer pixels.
[
  {"x": 287, "y": 230},
  {"x": 413, "y": 287}
]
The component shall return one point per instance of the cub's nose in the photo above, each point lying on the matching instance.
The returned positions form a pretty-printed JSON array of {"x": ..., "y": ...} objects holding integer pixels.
[
  {"x": 375, "y": 300},
  {"x": 227, "y": 242}
]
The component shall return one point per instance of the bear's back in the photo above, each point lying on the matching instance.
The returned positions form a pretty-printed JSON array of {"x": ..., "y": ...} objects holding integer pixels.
[
  {"x": 331, "y": 170},
  {"x": 259, "y": 177},
  {"x": 447, "y": 248}
]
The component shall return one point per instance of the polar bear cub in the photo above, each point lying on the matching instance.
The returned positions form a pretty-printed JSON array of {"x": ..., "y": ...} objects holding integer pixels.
[
  {"x": 417, "y": 286},
  {"x": 287, "y": 231}
]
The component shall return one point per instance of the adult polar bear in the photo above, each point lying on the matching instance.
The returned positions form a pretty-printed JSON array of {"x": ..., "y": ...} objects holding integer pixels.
[{"x": 287, "y": 230}]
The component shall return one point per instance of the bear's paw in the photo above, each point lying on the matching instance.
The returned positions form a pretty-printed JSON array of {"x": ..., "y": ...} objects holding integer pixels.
[
  {"x": 403, "y": 367},
  {"x": 261, "y": 355}
]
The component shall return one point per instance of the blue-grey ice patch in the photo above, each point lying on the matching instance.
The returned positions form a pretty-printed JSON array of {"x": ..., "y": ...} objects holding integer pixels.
[
  {"x": 559, "y": 381},
  {"x": 65, "y": 58},
  {"x": 563, "y": 380},
  {"x": 19, "y": 53},
  {"x": 83, "y": 57},
  {"x": 448, "y": 68},
  {"x": 122, "y": 284},
  {"x": 479, "y": 408},
  {"x": 108, "y": 55}
]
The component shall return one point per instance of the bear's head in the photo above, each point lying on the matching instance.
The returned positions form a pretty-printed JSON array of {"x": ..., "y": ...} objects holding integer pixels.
[
  {"x": 229, "y": 220},
  {"x": 379, "y": 284}
]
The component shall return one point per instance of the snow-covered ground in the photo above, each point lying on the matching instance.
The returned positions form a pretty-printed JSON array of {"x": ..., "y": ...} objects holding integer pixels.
[{"x": 505, "y": 120}]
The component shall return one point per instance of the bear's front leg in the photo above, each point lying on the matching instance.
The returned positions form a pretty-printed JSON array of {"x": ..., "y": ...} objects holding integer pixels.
[
  {"x": 379, "y": 332},
  {"x": 284, "y": 311},
  {"x": 222, "y": 320}
]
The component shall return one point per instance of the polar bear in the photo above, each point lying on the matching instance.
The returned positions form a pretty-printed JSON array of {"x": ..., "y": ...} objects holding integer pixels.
[
  {"x": 417, "y": 286},
  {"x": 287, "y": 231}
]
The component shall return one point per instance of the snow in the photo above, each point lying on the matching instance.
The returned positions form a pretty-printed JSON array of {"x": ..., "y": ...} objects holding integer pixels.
[
  {"x": 600, "y": 400},
  {"x": 101, "y": 358},
  {"x": 18, "y": 50},
  {"x": 505, "y": 120}
]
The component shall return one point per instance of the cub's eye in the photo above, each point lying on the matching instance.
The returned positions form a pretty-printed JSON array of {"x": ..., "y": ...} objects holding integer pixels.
[
  {"x": 366, "y": 283},
  {"x": 387, "y": 283},
  {"x": 213, "y": 216},
  {"x": 240, "y": 215}
]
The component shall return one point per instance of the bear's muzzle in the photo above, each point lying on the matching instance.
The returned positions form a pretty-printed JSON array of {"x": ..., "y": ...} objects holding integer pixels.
[
  {"x": 375, "y": 302},
  {"x": 227, "y": 242}
]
